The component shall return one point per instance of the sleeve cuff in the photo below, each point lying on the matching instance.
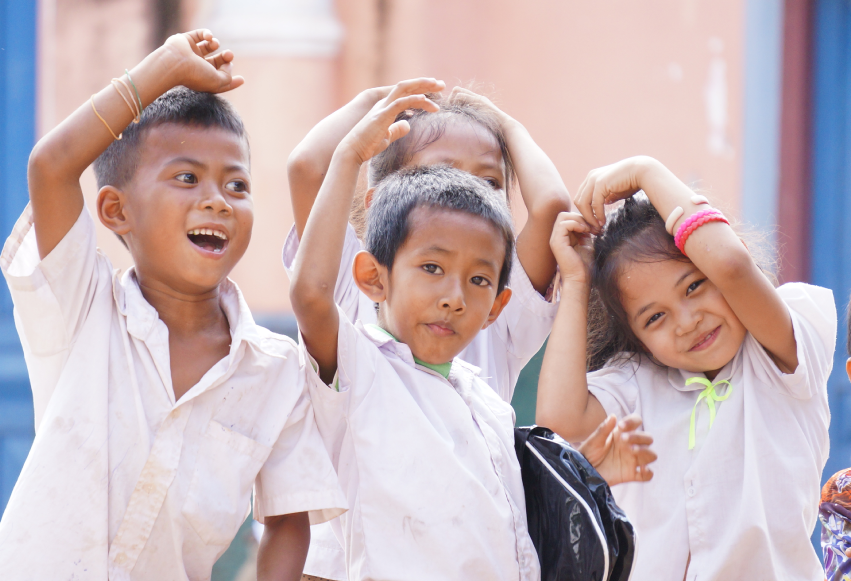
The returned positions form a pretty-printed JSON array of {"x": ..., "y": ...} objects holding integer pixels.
[
  {"x": 321, "y": 505},
  {"x": 523, "y": 291}
]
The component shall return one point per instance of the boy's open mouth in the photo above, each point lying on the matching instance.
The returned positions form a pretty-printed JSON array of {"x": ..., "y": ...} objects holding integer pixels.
[{"x": 208, "y": 239}]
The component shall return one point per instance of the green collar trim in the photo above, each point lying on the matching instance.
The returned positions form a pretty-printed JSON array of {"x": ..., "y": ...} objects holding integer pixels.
[{"x": 441, "y": 368}]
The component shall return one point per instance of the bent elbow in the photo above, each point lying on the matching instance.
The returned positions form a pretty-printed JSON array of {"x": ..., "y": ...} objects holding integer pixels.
[{"x": 550, "y": 204}]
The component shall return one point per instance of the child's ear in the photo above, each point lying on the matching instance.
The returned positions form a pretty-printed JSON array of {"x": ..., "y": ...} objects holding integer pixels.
[
  {"x": 111, "y": 206},
  {"x": 848, "y": 368},
  {"x": 498, "y": 304},
  {"x": 370, "y": 276},
  {"x": 367, "y": 198}
]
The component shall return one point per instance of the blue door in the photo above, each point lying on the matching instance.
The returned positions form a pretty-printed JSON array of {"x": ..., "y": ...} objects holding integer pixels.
[{"x": 17, "y": 136}]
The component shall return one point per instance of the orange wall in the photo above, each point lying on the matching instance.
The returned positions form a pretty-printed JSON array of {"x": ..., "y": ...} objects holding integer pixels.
[{"x": 592, "y": 81}]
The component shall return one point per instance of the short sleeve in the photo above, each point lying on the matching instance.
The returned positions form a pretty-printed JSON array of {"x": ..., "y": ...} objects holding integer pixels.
[
  {"x": 814, "y": 322},
  {"x": 616, "y": 388},
  {"x": 298, "y": 475},
  {"x": 52, "y": 297},
  {"x": 520, "y": 330},
  {"x": 354, "y": 304},
  {"x": 357, "y": 357}
]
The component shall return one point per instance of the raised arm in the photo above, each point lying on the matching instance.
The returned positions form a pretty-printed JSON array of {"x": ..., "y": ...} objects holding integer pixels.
[
  {"x": 318, "y": 259},
  {"x": 564, "y": 403},
  {"x": 714, "y": 248},
  {"x": 309, "y": 161},
  {"x": 543, "y": 191},
  {"x": 60, "y": 157}
]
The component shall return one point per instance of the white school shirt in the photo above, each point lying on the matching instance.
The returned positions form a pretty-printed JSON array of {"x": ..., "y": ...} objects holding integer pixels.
[
  {"x": 121, "y": 481},
  {"x": 427, "y": 465},
  {"x": 500, "y": 352},
  {"x": 744, "y": 502}
]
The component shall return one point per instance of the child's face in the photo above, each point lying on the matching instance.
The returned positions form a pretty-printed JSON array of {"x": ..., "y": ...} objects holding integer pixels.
[
  {"x": 442, "y": 289},
  {"x": 189, "y": 180},
  {"x": 467, "y": 146},
  {"x": 680, "y": 316}
]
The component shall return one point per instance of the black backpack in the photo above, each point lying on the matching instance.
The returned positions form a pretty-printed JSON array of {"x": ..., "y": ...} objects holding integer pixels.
[{"x": 578, "y": 530}]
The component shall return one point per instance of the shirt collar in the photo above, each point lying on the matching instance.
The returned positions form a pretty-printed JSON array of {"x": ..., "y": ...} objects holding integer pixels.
[
  {"x": 383, "y": 337},
  {"x": 678, "y": 377},
  {"x": 141, "y": 316}
]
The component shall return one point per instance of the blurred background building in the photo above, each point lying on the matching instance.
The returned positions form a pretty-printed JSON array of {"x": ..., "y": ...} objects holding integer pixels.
[{"x": 748, "y": 100}]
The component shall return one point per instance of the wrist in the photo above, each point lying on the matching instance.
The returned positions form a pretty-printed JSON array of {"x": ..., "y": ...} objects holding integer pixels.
[
  {"x": 346, "y": 156},
  {"x": 574, "y": 287},
  {"x": 158, "y": 72}
]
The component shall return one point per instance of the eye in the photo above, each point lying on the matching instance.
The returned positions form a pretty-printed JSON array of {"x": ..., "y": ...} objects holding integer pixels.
[
  {"x": 480, "y": 281},
  {"x": 693, "y": 286},
  {"x": 493, "y": 182},
  {"x": 237, "y": 186},
  {"x": 652, "y": 319},
  {"x": 432, "y": 269},
  {"x": 187, "y": 178}
]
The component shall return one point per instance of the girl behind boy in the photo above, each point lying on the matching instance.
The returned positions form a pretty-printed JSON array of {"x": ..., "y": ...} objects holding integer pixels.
[
  {"x": 728, "y": 373},
  {"x": 471, "y": 134}
]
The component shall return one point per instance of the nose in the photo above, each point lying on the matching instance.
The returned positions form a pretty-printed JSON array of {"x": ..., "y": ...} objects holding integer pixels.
[
  {"x": 687, "y": 320},
  {"x": 452, "y": 297},
  {"x": 214, "y": 200}
]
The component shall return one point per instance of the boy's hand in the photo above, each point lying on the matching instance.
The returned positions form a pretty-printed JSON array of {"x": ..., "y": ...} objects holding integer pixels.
[
  {"x": 571, "y": 246},
  {"x": 620, "y": 452},
  {"x": 609, "y": 184},
  {"x": 469, "y": 96},
  {"x": 197, "y": 66},
  {"x": 379, "y": 127}
]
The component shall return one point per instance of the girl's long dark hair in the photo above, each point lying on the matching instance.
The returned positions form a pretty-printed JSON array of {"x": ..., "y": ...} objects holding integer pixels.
[{"x": 634, "y": 233}]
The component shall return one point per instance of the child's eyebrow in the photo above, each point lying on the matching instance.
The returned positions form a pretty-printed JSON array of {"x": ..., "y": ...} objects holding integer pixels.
[
  {"x": 202, "y": 165},
  {"x": 690, "y": 272},
  {"x": 642, "y": 310}
]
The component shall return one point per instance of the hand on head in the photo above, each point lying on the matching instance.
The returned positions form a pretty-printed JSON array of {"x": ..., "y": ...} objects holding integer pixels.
[
  {"x": 200, "y": 67},
  {"x": 571, "y": 245},
  {"x": 607, "y": 185},
  {"x": 468, "y": 96},
  {"x": 379, "y": 127},
  {"x": 619, "y": 451}
]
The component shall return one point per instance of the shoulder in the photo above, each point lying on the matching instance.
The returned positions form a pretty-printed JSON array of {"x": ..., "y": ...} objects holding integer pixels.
[{"x": 812, "y": 303}]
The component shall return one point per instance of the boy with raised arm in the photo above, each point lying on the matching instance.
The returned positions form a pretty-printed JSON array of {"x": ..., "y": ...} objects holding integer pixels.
[
  {"x": 424, "y": 448},
  {"x": 158, "y": 401}
]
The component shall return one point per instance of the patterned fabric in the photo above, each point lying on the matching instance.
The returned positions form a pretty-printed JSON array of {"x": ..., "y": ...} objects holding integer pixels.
[{"x": 835, "y": 516}]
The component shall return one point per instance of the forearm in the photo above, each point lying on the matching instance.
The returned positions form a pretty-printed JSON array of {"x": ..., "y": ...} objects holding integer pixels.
[
  {"x": 719, "y": 253},
  {"x": 61, "y": 156},
  {"x": 283, "y": 548},
  {"x": 544, "y": 195},
  {"x": 564, "y": 404},
  {"x": 309, "y": 161},
  {"x": 318, "y": 262}
]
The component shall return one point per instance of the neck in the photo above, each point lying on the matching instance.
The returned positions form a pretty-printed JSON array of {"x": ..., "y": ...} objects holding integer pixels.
[{"x": 184, "y": 314}]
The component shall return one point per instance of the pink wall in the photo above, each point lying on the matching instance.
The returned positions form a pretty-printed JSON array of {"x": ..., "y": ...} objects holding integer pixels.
[{"x": 592, "y": 81}]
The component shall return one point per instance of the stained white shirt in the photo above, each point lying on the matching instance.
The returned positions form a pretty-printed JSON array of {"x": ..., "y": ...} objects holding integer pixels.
[
  {"x": 500, "y": 352},
  {"x": 122, "y": 481},
  {"x": 427, "y": 465},
  {"x": 745, "y": 500}
]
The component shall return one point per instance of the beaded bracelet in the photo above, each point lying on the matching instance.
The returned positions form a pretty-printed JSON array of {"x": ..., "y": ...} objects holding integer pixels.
[{"x": 694, "y": 222}]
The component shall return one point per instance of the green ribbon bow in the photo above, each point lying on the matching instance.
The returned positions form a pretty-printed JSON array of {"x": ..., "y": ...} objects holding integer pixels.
[{"x": 711, "y": 397}]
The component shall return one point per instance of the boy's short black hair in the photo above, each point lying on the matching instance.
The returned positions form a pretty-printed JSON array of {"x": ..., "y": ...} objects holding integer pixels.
[
  {"x": 117, "y": 165},
  {"x": 432, "y": 187}
]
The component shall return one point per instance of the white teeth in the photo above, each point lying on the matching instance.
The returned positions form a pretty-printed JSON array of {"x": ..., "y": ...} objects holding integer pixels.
[{"x": 208, "y": 232}]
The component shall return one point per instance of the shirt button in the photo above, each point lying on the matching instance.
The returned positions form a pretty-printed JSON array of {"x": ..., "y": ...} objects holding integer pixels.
[{"x": 691, "y": 491}]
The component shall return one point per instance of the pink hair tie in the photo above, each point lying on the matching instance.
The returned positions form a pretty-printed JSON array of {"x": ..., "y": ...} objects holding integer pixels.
[{"x": 694, "y": 222}]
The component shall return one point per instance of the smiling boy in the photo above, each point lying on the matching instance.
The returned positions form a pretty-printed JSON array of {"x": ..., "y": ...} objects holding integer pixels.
[{"x": 158, "y": 401}]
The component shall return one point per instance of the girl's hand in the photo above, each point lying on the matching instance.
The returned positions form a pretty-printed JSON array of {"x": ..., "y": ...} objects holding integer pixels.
[
  {"x": 469, "y": 96},
  {"x": 379, "y": 127},
  {"x": 620, "y": 452},
  {"x": 610, "y": 184},
  {"x": 571, "y": 246},
  {"x": 198, "y": 66}
]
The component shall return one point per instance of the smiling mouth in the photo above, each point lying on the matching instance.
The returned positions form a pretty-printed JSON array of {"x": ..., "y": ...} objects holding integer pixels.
[
  {"x": 214, "y": 241},
  {"x": 707, "y": 340}
]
